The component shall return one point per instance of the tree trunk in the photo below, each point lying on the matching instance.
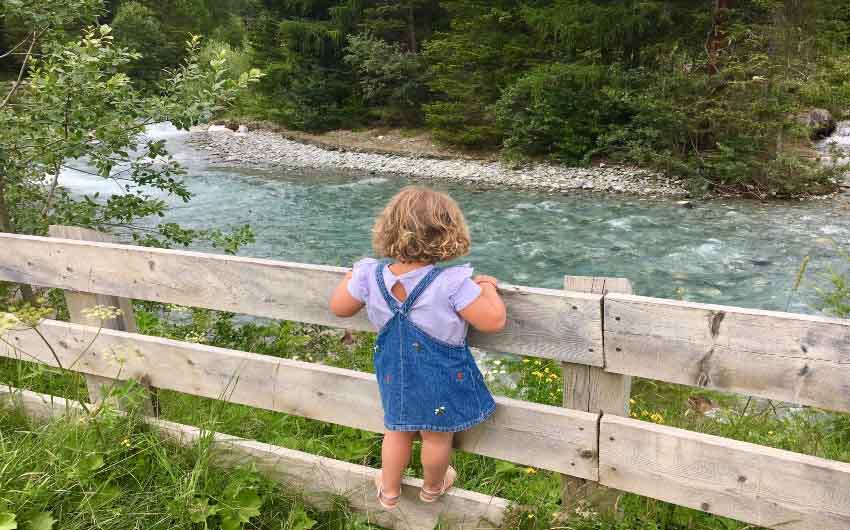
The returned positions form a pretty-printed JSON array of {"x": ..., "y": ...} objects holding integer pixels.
[
  {"x": 5, "y": 219},
  {"x": 717, "y": 37},
  {"x": 411, "y": 28}
]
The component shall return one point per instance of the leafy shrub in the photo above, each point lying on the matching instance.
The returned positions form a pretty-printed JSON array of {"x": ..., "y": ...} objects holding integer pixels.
[
  {"x": 389, "y": 78},
  {"x": 731, "y": 132},
  {"x": 238, "y": 59},
  {"x": 559, "y": 110},
  {"x": 835, "y": 299},
  {"x": 486, "y": 51},
  {"x": 232, "y": 31},
  {"x": 304, "y": 87},
  {"x": 137, "y": 27}
]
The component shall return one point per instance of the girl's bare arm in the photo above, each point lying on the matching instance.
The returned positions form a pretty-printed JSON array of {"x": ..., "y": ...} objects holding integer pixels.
[
  {"x": 342, "y": 304},
  {"x": 487, "y": 313}
]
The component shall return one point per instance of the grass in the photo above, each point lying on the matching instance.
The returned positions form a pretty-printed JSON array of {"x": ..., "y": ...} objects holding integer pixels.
[
  {"x": 86, "y": 476},
  {"x": 112, "y": 472}
]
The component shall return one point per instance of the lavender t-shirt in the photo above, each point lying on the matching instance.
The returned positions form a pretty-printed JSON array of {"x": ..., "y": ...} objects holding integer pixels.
[{"x": 436, "y": 310}]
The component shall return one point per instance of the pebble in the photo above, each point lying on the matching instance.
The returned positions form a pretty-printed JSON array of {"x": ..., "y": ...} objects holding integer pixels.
[{"x": 269, "y": 149}]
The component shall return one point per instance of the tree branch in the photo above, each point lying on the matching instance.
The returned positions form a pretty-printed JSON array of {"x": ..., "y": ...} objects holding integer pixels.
[
  {"x": 12, "y": 51},
  {"x": 35, "y": 37}
]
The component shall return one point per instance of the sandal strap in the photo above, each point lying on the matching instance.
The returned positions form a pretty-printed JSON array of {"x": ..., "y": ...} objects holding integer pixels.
[
  {"x": 441, "y": 491},
  {"x": 386, "y": 497}
]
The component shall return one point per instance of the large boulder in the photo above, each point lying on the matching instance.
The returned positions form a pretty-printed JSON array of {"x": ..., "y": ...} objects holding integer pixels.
[{"x": 819, "y": 121}]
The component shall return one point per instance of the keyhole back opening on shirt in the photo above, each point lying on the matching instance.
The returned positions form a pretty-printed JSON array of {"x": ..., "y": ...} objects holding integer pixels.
[{"x": 399, "y": 292}]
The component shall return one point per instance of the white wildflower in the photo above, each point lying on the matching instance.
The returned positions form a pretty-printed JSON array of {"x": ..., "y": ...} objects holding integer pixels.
[
  {"x": 101, "y": 312},
  {"x": 8, "y": 321}
]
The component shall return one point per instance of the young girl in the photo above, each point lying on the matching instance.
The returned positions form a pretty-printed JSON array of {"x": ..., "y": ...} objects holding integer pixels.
[{"x": 428, "y": 380}]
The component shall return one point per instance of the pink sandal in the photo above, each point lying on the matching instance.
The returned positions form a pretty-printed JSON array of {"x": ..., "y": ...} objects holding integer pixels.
[
  {"x": 448, "y": 482},
  {"x": 387, "y": 502}
]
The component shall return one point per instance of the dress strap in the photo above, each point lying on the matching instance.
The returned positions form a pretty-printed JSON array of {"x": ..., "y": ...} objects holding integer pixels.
[
  {"x": 412, "y": 296},
  {"x": 420, "y": 288},
  {"x": 388, "y": 298}
]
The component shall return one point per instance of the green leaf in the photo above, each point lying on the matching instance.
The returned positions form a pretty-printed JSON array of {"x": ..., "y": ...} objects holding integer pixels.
[
  {"x": 247, "y": 505},
  {"x": 505, "y": 468},
  {"x": 7, "y": 521},
  {"x": 200, "y": 510},
  {"x": 299, "y": 520},
  {"x": 40, "y": 521},
  {"x": 89, "y": 463},
  {"x": 230, "y": 522}
]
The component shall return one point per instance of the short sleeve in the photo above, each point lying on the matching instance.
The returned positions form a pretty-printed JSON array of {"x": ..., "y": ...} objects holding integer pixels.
[
  {"x": 358, "y": 286},
  {"x": 462, "y": 290}
]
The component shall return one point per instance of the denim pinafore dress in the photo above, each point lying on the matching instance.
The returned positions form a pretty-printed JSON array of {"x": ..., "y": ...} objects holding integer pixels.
[{"x": 425, "y": 383}]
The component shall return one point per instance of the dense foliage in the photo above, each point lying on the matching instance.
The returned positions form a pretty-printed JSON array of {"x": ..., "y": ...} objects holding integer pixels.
[{"x": 714, "y": 91}]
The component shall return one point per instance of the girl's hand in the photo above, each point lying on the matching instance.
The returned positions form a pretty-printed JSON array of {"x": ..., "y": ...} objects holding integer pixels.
[
  {"x": 342, "y": 304},
  {"x": 487, "y": 313}
]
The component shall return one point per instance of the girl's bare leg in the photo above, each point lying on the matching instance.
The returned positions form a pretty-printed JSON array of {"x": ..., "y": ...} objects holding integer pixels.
[
  {"x": 395, "y": 456},
  {"x": 436, "y": 456}
]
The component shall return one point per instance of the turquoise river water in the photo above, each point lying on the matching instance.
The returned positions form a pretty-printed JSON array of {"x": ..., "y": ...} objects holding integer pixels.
[{"x": 729, "y": 252}]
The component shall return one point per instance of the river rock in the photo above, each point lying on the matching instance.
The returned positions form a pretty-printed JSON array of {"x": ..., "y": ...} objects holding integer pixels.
[
  {"x": 819, "y": 121},
  {"x": 266, "y": 148},
  {"x": 218, "y": 128}
]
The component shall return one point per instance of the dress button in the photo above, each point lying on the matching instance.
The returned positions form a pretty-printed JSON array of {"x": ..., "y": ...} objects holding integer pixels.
[{"x": 416, "y": 346}]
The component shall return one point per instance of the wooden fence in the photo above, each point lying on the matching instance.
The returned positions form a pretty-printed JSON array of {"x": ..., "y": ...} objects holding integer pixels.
[{"x": 794, "y": 358}]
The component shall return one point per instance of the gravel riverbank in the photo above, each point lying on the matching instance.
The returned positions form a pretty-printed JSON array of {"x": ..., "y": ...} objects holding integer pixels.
[{"x": 262, "y": 148}]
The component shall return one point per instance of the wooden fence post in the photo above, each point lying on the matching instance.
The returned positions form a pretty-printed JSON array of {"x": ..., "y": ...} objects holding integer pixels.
[
  {"x": 592, "y": 389},
  {"x": 79, "y": 302}
]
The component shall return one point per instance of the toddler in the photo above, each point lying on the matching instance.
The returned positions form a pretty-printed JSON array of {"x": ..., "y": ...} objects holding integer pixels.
[{"x": 428, "y": 380}]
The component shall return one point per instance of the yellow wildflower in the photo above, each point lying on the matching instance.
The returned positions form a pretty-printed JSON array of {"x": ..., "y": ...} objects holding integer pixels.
[{"x": 530, "y": 471}]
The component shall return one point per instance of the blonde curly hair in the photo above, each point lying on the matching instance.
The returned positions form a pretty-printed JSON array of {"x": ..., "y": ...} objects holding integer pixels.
[{"x": 421, "y": 225}]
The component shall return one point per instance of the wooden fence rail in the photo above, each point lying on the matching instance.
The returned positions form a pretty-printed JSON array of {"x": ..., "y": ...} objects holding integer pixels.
[
  {"x": 796, "y": 358},
  {"x": 548, "y": 437},
  {"x": 547, "y": 323}
]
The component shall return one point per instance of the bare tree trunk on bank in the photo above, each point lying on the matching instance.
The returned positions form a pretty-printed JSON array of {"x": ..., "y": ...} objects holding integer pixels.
[
  {"x": 411, "y": 25},
  {"x": 717, "y": 37}
]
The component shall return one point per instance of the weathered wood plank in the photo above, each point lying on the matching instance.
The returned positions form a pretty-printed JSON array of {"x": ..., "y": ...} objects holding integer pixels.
[
  {"x": 815, "y": 383},
  {"x": 755, "y": 484},
  {"x": 318, "y": 478},
  {"x": 542, "y": 322},
  {"x": 591, "y": 389},
  {"x": 526, "y": 433},
  {"x": 79, "y": 302},
  {"x": 739, "y": 329},
  {"x": 796, "y": 358}
]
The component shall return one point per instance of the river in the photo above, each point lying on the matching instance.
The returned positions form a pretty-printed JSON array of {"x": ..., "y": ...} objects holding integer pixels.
[{"x": 734, "y": 252}]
